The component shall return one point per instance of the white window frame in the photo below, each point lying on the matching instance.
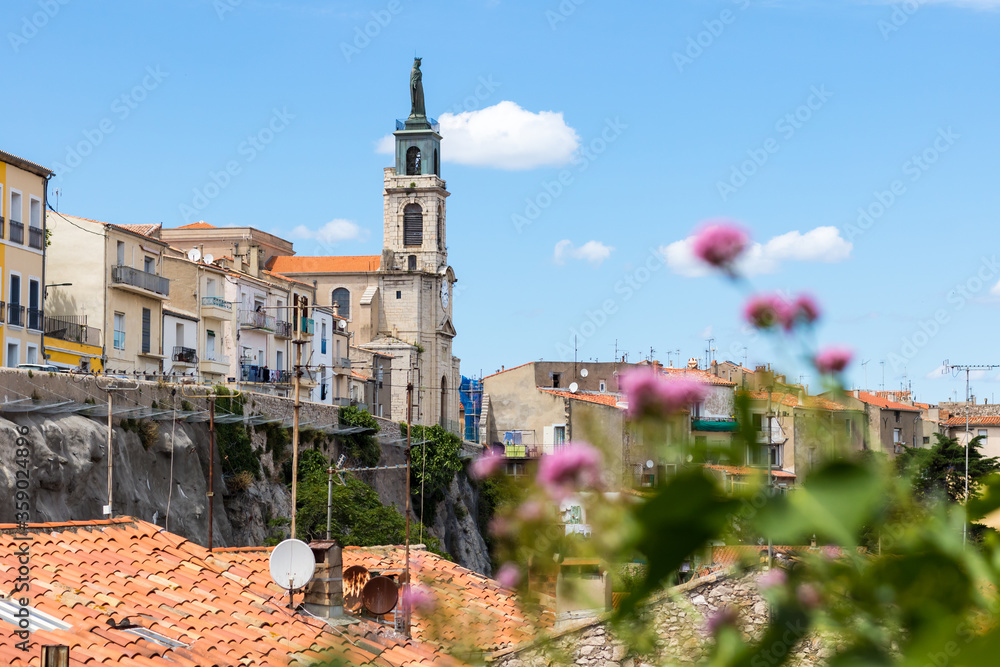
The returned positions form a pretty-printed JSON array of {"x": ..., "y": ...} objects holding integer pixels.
[
  {"x": 10, "y": 206},
  {"x": 1, "y": 201},
  {"x": 33, "y": 199},
  {"x": 20, "y": 280},
  {"x": 29, "y": 348},
  {"x": 115, "y": 330},
  {"x": 6, "y": 352}
]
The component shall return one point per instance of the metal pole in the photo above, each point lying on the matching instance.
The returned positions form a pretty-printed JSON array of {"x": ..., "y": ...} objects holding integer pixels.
[
  {"x": 211, "y": 470},
  {"x": 295, "y": 424},
  {"x": 111, "y": 511},
  {"x": 770, "y": 478},
  {"x": 329, "y": 500},
  {"x": 965, "y": 500},
  {"x": 409, "y": 419}
]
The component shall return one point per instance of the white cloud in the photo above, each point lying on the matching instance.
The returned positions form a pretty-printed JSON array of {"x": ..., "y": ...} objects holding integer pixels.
[
  {"x": 503, "y": 136},
  {"x": 594, "y": 252},
  {"x": 819, "y": 245},
  {"x": 332, "y": 233},
  {"x": 386, "y": 145}
]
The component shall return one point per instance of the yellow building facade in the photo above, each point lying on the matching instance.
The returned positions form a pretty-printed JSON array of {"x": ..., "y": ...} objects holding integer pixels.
[{"x": 22, "y": 260}]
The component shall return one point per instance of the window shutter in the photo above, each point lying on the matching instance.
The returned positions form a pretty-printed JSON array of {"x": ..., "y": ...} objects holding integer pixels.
[
  {"x": 413, "y": 225},
  {"x": 146, "y": 322}
]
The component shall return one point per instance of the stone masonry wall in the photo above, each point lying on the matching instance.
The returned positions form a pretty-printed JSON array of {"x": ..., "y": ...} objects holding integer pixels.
[{"x": 678, "y": 619}]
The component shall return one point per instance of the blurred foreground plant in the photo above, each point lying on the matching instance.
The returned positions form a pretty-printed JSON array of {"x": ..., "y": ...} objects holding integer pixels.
[{"x": 916, "y": 596}]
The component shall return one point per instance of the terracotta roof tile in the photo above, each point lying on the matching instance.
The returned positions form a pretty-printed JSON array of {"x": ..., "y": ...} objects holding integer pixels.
[
  {"x": 878, "y": 401},
  {"x": 744, "y": 471},
  {"x": 201, "y": 224},
  {"x": 610, "y": 400},
  {"x": 698, "y": 375},
  {"x": 345, "y": 264},
  {"x": 987, "y": 420},
  {"x": 86, "y": 572}
]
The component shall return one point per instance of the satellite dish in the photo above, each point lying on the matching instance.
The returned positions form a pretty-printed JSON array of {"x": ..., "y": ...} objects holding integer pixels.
[
  {"x": 292, "y": 564},
  {"x": 194, "y": 254},
  {"x": 584, "y": 372},
  {"x": 380, "y": 596},
  {"x": 649, "y": 464},
  {"x": 342, "y": 324},
  {"x": 209, "y": 259},
  {"x": 355, "y": 578},
  {"x": 573, "y": 387}
]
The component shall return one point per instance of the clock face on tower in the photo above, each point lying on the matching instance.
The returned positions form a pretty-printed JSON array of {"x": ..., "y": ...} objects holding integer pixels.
[{"x": 444, "y": 293}]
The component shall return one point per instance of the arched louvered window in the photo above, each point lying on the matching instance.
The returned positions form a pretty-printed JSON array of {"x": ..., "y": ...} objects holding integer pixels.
[
  {"x": 412, "y": 161},
  {"x": 413, "y": 225},
  {"x": 341, "y": 297},
  {"x": 440, "y": 231}
]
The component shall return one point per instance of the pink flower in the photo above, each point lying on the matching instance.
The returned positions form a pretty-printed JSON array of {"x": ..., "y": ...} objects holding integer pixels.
[
  {"x": 720, "y": 244},
  {"x": 499, "y": 526},
  {"x": 573, "y": 466},
  {"x": 773, "y": 578},
  {"x": 486, "y": 465},
  {"x": 509, "y": 575},
  {"x": 530, "y": 510},
  {"x": 418, "y": 598},
  {"x": 832, "y": 359},
  {"x": 831, "y": 552},
  {"x": 765, "y": 311},
  {"x": 722, "y": 618},
  {"x": 808, "y": 596},
  {"x": 803, "y": 310},
  {"x": 649, "y": 393}
]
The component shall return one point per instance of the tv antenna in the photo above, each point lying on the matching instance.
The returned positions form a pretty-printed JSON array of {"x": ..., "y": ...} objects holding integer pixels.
[{"x": 947, "y": 367}]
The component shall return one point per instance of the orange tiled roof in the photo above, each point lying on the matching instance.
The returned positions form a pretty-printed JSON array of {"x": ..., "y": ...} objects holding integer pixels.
[
  {"x": 604, "y": 399},
  {"x": 470, "y": 611},
  {"x": 145, "y": 230},
  {"x": 345, "y": 264},
  {"x": 222, "y": 612},
  {"x": 698, "y": 375},
  {"x": 987, "y": 420},
  {"x": 744, "y": 471},
  {"x": 784, "y": 399},
  {"x": 201, "y": 224},
  {"x": 878, "y": 401},
  {"x": 730, "y": 555}
]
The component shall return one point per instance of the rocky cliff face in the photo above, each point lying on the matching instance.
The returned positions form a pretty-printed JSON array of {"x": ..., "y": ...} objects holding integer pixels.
[
  {"x": 69, "y": 474},
  {"x": 69, "y": 481}
]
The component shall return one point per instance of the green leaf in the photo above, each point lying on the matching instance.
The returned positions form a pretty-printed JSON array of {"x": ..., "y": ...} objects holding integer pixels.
[
  {"x": 686, "y": 512},
  {"x": 987, "y": 500},
  {"x": 833, "y": 505}
]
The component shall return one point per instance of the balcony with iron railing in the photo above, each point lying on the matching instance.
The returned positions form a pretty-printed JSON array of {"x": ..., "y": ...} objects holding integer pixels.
[
  {"x": 216, "y": 307},
  {"x": 264, "y": 375},
  {"x": 16, "y": 231},
  {"x": 36, "y": 238},
  {"x": 184, "y": 355},
  {"x": 35, "y": 319},
  {"x": 256, "y": 319},
  {"x": 214, "y": 363},
  {"x": 126, "y": 276},
  {"x": 71, "y": 328},
  {"x": 282, "y": 329},
  {"x": 15, "y": 315}
]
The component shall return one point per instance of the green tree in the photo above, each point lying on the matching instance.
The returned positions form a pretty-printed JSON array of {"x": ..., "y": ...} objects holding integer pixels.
[
  {"x": 433, "y": 464},
  {"x": 358, "y": 517},
  {"x": 940, "y": 470},
  {"x": 235, "y": 447},
  {"x": 362, "y": 448}
]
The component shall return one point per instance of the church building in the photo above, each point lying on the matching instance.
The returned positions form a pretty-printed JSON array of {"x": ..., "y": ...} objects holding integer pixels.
[{"x": 399, "y": 303}]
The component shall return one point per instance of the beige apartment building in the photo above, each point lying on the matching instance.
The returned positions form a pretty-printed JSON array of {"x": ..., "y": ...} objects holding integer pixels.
[
  {"x": 115, "y": 281},
  {"x": 22, "y": 260},
  {"x": 199, "y": 324}
]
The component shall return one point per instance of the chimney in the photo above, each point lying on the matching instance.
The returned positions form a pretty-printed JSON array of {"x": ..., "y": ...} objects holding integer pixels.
[
  {"x": 324, "y": 594},
  {"x": 692, "y": 363}
]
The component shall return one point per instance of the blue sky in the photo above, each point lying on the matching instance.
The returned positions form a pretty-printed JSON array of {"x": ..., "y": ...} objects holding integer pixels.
[{"x": 587, "y": 140}]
